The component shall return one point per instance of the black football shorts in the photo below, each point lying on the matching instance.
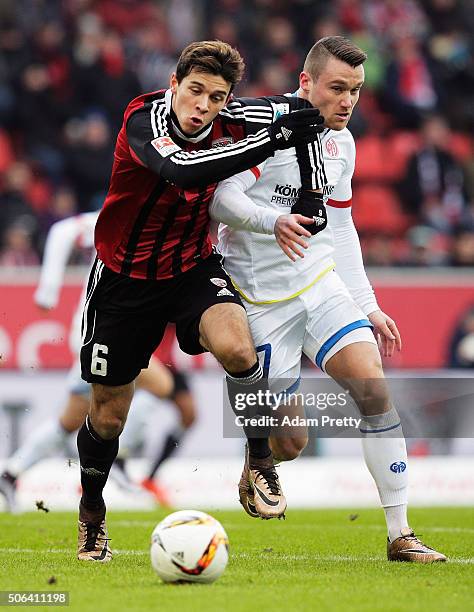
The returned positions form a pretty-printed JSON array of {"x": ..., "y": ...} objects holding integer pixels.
[{"x": 125, "y": 318}]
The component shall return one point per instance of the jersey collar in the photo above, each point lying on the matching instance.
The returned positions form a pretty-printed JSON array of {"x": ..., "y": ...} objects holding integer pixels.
[{"x": 175, "y": 123}]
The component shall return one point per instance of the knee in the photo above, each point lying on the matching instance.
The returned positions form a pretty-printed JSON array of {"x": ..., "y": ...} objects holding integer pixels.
[
  {"x": 368, "y": 366},
  {"x": 237, "y": 356},
  {"x": 287, "y": 449},
  {"x": 188, "y": 419},
  {"x": 109, "y": 409},
  {"x": 108, "y": 426},
  {"x": 375, "y": 367},
  {"x": 374, "y": 398},
  {"x": 287, "y": 452}
]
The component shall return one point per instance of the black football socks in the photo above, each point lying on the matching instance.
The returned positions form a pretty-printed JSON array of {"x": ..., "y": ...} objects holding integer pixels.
[{"x": 96, "y": 457}]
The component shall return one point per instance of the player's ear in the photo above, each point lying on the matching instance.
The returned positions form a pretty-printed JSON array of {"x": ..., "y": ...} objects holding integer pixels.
[
  {"x": 173, "y": 83},
  {"x": 305, "y": 81}
]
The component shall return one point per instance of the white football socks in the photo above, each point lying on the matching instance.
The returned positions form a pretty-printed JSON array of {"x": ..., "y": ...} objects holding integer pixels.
[
  {"x": 396, "y": 517},
  {"x": 43, "y": 442},
  {"x": 385, "y": 455}
]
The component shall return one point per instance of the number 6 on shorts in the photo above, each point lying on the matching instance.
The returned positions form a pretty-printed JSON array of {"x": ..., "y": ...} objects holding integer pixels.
[{"x": 99, "y": 364}]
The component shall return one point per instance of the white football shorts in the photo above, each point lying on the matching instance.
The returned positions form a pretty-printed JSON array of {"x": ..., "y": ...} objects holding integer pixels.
[{"x": 319, "y": 323}]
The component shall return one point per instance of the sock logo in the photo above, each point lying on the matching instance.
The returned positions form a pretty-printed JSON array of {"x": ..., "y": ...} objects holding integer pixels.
[
  {"x": 398, "y": 467},
  {"x": 92, "y": 471}
]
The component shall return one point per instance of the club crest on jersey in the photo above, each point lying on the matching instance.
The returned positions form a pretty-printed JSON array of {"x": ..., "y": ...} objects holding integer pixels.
[
  {"x": 165, "y": 146},
  {"x": 331, "y": 148},
  {"x": 222, "y": 142},
  {"x": 219, "y": 282}
]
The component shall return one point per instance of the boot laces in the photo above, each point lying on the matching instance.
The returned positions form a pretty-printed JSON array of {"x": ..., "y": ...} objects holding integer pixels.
[
  {"x": 412, "y": 537},
  {"x": 94, "y": 533},
  {"x": 271, "y": 477}
]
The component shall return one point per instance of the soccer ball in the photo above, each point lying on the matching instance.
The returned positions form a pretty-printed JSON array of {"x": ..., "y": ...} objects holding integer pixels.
[{"x": 189, "y": 546}]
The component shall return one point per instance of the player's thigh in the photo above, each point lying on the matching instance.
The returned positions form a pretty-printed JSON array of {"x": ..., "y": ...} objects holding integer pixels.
[
  {"x": 334, "y": 321},
  {"x": 358, "y": 358},
  {"x": 75, "y": 412},
  {"x": 358, "y": 368},
  {"x": 186, "y": 407},
  {"x": 157, "y": 379},
  {"x": 340, "y": 341},
  {"x": 278, "y": 331},
  {"x": 78, "y": 402},
  {"x": 122, "y": 325},
  {"x": 209, "y": 314},
  {"x": 224, "y": 331},
  {"x": 75, "y": 384}
]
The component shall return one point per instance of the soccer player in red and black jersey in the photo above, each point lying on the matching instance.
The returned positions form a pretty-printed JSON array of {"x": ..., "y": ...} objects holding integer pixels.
[{"x": 155, "y": 262}]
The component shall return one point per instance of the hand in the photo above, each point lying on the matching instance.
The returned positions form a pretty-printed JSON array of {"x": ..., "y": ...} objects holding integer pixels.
[
  {"x": 43, "y": 308},
  {"x": 298, "y": 127},
  {"x": 288, "y": 233},
  {"x": 310, "y": 204},
  {"x": 386, "y": 332}
]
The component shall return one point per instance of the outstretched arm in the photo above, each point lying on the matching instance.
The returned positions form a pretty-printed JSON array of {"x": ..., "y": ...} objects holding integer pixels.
[
  {"x": 61, "y": 239},
  {"x": 152, "y": 145},
  {"x": 350, "y": 267}
]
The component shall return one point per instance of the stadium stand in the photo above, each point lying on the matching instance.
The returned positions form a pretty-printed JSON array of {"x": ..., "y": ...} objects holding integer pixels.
[{"x": 75, "y": 65}]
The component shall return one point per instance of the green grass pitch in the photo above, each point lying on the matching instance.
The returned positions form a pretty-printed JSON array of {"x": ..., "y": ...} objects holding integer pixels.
[{"x": 315, "y": 560}]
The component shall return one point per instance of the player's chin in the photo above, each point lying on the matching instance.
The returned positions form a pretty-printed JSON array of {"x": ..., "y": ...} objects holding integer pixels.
[
  {"x": 337, "y": 123},
  {"x": 193, "y": 127}
]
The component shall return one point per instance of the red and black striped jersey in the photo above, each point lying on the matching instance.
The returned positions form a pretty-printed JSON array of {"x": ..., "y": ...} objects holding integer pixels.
[{"x": 154, "y": 223}]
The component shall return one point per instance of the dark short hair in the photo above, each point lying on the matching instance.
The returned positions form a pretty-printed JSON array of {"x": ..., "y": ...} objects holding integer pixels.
[
  {"x": 332, "y": 46},
  {"x": 214, "y": 57}
]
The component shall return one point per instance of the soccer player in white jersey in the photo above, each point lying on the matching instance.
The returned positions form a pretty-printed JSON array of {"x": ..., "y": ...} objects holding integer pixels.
[
  {"x": 157, "y": 379},
  {"x": 318, "y": 300}
]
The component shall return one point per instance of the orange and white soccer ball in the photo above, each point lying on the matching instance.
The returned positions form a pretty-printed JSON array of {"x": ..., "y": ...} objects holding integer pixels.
[{"x": 189, "y": 546}]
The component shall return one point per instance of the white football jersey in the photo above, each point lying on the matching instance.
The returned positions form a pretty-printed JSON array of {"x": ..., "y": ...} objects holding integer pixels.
[{"x": 260, "y": 270}]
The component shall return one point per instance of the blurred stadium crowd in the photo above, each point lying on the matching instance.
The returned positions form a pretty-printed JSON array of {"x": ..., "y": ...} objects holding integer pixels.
[{"x": 69, "y": 67}]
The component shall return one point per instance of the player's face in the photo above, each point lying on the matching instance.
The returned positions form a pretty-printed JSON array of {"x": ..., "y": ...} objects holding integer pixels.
[
  {"x": 198, "y": 99},
  {"x": 335, "y": 91}
]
